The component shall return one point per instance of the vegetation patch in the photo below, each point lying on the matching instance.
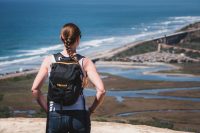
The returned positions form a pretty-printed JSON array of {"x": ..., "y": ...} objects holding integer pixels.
[
  {"x": 1, "y": 97},
  {"x": 5, "y": 112},
  {"x": 40, "y": 114},
  {"x": 155, "y": 122},
  {"x": 138, "y": 49},
  {"x": 100, "y": 118}
]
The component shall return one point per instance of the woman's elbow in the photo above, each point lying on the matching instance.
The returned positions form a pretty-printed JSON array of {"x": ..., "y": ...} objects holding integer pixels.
[{"x": 101, "y": 91}]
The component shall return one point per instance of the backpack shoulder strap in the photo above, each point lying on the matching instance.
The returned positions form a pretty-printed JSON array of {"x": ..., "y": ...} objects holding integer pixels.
[
  {"x": 58, "y": 57},
  {"x": 79, "y": 57},
  {"x": 61, "y": 58}
]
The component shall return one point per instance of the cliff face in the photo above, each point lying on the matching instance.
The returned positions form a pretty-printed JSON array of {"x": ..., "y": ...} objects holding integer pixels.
[{"x": 37, "y": 125}]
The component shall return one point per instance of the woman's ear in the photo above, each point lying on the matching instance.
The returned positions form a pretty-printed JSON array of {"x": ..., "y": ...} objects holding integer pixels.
[{"x": 77, "y": 41}]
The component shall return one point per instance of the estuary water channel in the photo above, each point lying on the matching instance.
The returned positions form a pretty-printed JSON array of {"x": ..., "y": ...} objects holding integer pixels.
[
  {"x": 151, "y": 94},
  {"x": 146, "y": 73},
  {"x": 141, "y": 73}
]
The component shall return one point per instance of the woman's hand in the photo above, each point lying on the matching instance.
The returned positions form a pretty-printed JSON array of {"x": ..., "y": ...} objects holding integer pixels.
[
  {"x": 90, "y": 111},
  {"x": 38, "y": 82}
]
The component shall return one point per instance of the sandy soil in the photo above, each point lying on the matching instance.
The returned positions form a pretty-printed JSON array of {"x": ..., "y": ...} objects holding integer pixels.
[{"x": 37, "y": 125}]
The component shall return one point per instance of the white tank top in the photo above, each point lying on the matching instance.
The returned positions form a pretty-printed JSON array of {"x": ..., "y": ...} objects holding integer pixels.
[{"x": 79, "y": 105}]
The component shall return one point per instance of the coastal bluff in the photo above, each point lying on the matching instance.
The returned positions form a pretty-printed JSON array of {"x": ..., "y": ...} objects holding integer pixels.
[
  {"x": 37, "y": 125},
  {"x": 181, "y": 46}
]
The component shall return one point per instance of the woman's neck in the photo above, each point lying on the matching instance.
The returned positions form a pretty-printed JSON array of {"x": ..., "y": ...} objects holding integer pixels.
[{"x": 64, "y": 52}]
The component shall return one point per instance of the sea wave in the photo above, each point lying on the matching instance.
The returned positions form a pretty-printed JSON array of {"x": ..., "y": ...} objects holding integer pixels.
[
  {"x": 4, "y": 58},
  {"x": 170, "y": 23},
  {"x": 28, "y": 53},
  {"x": 91, "y": 45},
  {"x": 97, "y": 42},
  {"x": 187, "y": 18},
  {"x": 23, "y": 60},
  {"x": 39, "y": 51}
]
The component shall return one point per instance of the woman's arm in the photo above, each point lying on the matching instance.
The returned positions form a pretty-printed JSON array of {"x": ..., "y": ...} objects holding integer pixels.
[
  {"x": 96, "y": 80},
  {"x": 38, "y": 82}
]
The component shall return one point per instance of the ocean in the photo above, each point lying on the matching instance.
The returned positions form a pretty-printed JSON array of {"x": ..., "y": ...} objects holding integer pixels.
[{"x": 29, "y": 29}]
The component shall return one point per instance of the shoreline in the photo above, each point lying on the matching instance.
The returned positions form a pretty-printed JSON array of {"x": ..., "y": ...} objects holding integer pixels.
[
  {"x": 112, "y": 52},
  {"x": 18, "y": 74},
  {"x": 98, "y": 57}
]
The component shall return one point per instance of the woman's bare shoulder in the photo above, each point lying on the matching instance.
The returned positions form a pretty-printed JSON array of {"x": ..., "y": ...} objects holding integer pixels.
[
  {"x": 87, "y": 61},
  {"x": 47, "y": 60},
  {"x": 88, "y": 64}
]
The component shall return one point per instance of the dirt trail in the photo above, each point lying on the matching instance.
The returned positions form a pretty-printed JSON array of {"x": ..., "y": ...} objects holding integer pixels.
[{"x": 37, "y": 125}]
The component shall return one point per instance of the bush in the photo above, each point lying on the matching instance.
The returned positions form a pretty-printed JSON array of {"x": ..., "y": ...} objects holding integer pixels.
[{"x": 4, "y": 112}]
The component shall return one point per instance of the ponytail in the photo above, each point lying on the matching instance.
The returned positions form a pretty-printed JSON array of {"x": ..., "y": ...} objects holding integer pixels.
[{"x": 69, "y": 34}]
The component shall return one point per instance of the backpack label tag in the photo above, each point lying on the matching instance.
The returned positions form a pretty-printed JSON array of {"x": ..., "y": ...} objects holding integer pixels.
[{"x": 62, "y": 85}]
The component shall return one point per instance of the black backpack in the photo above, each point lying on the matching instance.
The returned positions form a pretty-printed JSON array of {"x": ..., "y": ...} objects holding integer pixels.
[{"x": 65, "y": 81}]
